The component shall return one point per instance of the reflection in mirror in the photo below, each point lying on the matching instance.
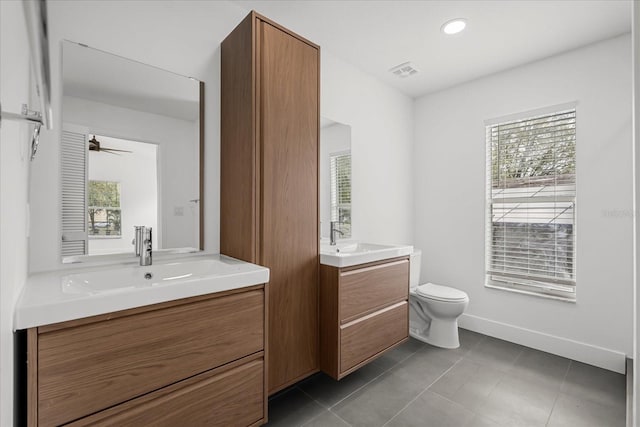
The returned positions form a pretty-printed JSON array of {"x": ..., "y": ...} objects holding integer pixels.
[
  {"x": 335, "y": 177},
  {"x": 119, "y": 195},
  {"x": 131, "y": 146}
]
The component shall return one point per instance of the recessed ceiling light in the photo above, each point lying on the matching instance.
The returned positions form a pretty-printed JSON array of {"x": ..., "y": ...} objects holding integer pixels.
[{"x": 454, "y": 26}]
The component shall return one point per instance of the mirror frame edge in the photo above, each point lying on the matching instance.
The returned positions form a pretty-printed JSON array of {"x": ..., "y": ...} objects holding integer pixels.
[{"x": 202, "y": 170}]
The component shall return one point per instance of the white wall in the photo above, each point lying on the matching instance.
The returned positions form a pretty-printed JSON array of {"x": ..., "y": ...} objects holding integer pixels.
[
  {"x": 179, "y": 36},
  {"x": 335, "y": 138},
  {"x": 381, "y": 148},
  {"x": 380, "y": 117},
  {"x": 138, "y": 177},
  {"x": 178, "y": 166},
  {"x": 14, "y": 178},
  {"x": 449, "y": 172},
  {"x": 184, "y": 36}
]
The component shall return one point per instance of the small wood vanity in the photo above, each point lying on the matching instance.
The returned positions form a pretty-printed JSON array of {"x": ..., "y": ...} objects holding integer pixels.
[
  {"x": 364, "y": 311},
  {"x": 193, "y": 361}
]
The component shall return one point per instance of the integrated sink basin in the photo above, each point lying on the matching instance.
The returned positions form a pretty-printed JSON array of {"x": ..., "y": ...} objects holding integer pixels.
[
  {"x": 346, "y": 254},
  {"x": 73, "y": 293},
  {"x": 131, "y": 277}
]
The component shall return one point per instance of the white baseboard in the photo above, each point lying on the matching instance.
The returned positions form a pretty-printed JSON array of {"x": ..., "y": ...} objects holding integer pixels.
[{"x": 575, "y": 350}]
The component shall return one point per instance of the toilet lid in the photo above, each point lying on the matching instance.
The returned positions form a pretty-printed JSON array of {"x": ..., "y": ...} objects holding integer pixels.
[{"x": 439, "y": 292}]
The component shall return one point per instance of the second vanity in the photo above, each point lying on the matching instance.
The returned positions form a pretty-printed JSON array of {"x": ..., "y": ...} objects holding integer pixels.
[
  {"x": 364, "y": 311},
  {"x": 185, "y": 346}
]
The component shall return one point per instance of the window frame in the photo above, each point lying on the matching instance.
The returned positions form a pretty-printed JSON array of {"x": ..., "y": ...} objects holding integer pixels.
[{"x": 528, "y": 286}]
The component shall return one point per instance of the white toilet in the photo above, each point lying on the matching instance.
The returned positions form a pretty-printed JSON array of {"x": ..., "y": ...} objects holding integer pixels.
[{"x": 434, "y": 309}]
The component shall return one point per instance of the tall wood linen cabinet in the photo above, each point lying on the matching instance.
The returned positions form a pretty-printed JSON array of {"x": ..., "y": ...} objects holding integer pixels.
[{"x": 269, "y": 182}]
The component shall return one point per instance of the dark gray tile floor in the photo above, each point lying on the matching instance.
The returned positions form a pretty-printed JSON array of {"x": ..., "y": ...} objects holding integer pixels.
[{"x": 486, "y": 382}]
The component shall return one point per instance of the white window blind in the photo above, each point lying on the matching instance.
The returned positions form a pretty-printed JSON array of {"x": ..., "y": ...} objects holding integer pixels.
[
  {"x": 341, "y": 191},
  {"x": 74, "y": 175},
  {"x": 531, "y": 194}
]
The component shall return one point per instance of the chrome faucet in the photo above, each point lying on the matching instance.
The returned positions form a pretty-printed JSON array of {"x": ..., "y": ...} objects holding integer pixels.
[
  {"x": 334, "y": 230},
  {"x": 137, "y": 239},
  {"x": 145, "y": 248}
]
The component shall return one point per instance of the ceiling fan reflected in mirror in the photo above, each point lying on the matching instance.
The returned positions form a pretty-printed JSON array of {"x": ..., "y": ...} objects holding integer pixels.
[{"x": 94, "y": 145}]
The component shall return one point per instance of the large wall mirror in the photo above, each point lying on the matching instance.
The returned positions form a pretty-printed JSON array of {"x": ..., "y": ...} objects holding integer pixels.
[
  {"x": 131, "y": 147},
  {"x": 335, "y": 178}
]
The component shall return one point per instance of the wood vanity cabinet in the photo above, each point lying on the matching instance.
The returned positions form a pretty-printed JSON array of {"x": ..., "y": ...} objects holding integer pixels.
[
  {"x": 364, "y": 311},
  {"x": 269, "y": 181},
  {"x": 191, "y": 362}
]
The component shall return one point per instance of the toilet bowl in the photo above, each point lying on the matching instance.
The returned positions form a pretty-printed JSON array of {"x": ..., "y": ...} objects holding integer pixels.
[{"x": 434, "y": 309}]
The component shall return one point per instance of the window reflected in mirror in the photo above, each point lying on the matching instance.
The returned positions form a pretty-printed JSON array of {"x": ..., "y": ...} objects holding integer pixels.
[
  {"x": 122, "y": 192},
  {"x": 335, "y": 178},
  {"x": 341, "y": 191},
  {"x": 105, "y": 216}
]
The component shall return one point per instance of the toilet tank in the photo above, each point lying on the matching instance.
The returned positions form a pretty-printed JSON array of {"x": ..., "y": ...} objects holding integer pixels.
[{"x": 415, "y": 261}]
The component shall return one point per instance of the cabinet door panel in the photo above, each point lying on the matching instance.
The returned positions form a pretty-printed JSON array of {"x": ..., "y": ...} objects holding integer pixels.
[
  {"x": 372, "y": 334},
  {"x": 367, "y": 289},
  {"x": 288, "y": 132},
  {"x": 232, "y": 398},
  {"x": 91, "y": 367}
]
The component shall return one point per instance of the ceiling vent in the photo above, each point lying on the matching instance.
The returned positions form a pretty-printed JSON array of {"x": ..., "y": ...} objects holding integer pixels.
[{"x": 404, "y": 70}]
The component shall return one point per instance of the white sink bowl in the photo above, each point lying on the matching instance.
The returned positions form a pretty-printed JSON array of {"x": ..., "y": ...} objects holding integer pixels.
[
  {"x": 73, "y": 293},
  {"x": 131, "y": 277},
  {"x": 346, "y": 254}
]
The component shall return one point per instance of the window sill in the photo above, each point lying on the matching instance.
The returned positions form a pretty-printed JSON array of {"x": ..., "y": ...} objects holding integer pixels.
[{"x": 569, "y": 299}]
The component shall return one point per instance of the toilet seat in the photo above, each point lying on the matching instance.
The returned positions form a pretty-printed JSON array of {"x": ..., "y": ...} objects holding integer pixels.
[{"x": 441, "y": 293}]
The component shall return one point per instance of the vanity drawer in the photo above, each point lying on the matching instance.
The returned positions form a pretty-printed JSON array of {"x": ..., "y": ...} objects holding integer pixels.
[
  {"x": 366, "y": 289},
  {"x": 371, "y": 334},
  {"x": 87, "y": 368},
  {"x": 233, "y": 397}
]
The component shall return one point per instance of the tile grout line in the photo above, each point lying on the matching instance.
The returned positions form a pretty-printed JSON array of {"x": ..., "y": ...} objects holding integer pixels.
[
  {"x": 340, "y": 418},
  {"x": 515, "y": 361},
  {"x": 330, "y": 408},
  {"x": 564, "y": 378},
  {"x": 370, "y": 381},
  {"x": 422, "y": 392},
  {"x": 505, "y": 373},
  {"x": 312, "y": 398},
  {"x": 326, "y": 408},
  {"x": 481, "y": 364}
]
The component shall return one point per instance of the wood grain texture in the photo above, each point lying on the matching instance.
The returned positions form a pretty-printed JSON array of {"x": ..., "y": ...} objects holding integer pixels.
[
  {"x": 372, "y": 334},
  {"x": 289, "y": 185},
  {"x": 238, "y": 145},
  {"x": 265, "y": 344},
  {"x": 368, "y": 289},
  {"x": 370, "y": 359},
  {"x": 138, "y": 310},
  {"x": 269, "y": 181},
  {"x": 373, "y": 289},
  {"x": 32, "y": 377},
  {"x": 224, "y": 397},
  {"x": 88, "y": 368},
  {"x": 329, "y": 321},
  {"x": 284, "y": 30}
]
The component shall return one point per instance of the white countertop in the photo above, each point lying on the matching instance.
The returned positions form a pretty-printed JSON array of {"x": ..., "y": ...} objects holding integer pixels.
[
  {"x": 62, "y": 295},
  {"x": 347, "y": 253}
]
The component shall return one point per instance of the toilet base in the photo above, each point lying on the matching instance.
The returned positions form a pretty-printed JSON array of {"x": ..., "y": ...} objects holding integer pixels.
[{"x": 440, "y": 333}]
